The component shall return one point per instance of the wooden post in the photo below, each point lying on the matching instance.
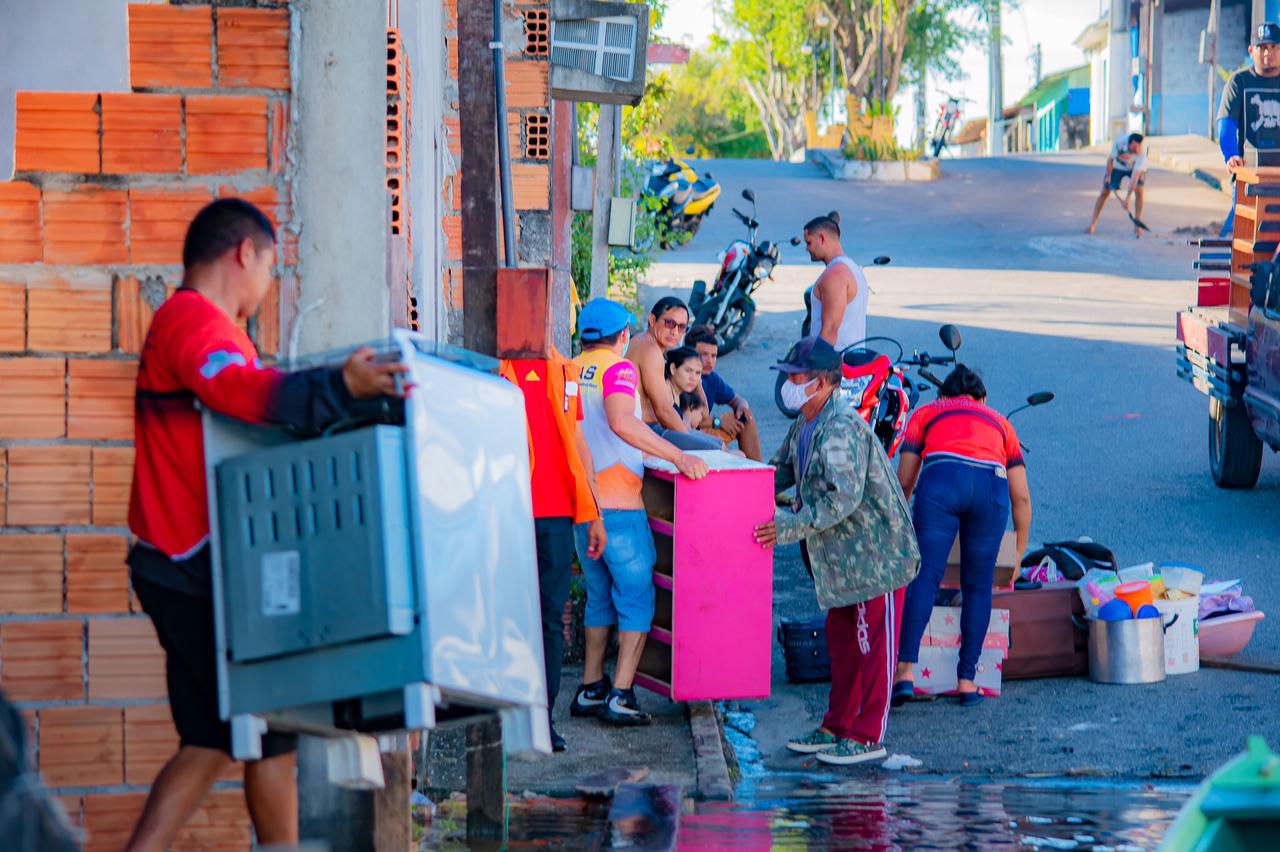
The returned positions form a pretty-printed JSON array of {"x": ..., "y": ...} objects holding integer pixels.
[
  {"x": 486, "y": 781},
  {"x": 478, "y": 118},
  {"x": 606, "y": 158},
  {"x": 564, "y": 144}
]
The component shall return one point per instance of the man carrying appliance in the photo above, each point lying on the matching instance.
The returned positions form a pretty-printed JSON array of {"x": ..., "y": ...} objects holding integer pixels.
[
  {"x": 1249, "y": 112},
  {"x": 619, "y": 581},
  {"x": 195, "y": 352},
  {"x": 741, "y": 425},
  {"x": 1126, "y": 160},
  {"x": 563, "y": 480},
  {"x": 838, "y": 305},
  {"x": 854, "y": 529}
]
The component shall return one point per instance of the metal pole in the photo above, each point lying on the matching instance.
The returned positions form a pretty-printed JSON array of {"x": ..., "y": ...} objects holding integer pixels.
[
  {"x": 995, "y": 119},
  {"x": 607, "y": 135},
  {"x": 1211, "y": 59},
  {"x": 504, "y": 140}
]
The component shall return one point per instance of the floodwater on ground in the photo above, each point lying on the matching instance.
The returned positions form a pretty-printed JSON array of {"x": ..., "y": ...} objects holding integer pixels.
[{"x": 861, "y": 808}]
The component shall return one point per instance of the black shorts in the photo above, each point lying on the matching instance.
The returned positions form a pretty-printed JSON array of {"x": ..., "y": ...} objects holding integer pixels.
[
  {"x": 1118, "y": 176},
  {"x": 184, "y": 625}
]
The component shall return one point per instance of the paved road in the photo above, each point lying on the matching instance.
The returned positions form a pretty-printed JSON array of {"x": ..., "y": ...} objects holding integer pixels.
[{"x": 996, "y": 246}]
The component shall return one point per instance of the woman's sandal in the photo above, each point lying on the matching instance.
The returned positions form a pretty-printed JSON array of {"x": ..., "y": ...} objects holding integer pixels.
[
  {"x": 970, "y": 699},
  {"x": 903, "y": 691}
]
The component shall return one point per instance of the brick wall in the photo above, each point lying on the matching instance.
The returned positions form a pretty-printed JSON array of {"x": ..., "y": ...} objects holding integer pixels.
[
  {"x": 529, "y": 125},
  {"x": 91, "y": 232}
]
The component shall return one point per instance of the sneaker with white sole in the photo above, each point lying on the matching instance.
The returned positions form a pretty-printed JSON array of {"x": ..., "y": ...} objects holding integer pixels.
[
  {"x": 819, "y": 740},
  {"x": 589, "y": 699},
  {"x": 622, "y": 708},
  {"x": 847, "y": 752}
]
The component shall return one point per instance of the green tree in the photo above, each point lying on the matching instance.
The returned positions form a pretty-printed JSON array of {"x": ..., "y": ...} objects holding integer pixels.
[{"x": 709, "y": 110}]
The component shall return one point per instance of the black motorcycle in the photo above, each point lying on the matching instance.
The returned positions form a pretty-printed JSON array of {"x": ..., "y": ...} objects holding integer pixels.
[{"x": 745, "y": 265}]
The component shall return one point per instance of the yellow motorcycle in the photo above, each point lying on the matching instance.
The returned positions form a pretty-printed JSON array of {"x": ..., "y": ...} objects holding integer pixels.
[{"x": 679, "y": 198}]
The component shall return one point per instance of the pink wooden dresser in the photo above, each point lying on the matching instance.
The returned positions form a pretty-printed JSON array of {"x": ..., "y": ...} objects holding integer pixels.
[{"x": 713, "y": 622}]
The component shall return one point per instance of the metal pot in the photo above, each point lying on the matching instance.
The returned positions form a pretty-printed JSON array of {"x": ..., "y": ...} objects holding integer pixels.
[{"x": 1130, "y": 651}]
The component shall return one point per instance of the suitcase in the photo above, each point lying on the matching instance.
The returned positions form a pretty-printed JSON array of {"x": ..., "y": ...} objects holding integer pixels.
[
  {"x": 804, "y": 646},
  {"x": 1043, "y": 640}
]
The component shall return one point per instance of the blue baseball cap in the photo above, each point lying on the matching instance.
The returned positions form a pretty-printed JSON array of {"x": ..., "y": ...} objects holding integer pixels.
[
  {"x": 602, "y": 318},
  {"x": 1266, "y": 33},
  {"x": 809, "y": 355}
]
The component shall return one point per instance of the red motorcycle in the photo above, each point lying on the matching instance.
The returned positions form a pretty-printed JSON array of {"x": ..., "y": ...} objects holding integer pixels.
[{"x": 881, "y": 388}]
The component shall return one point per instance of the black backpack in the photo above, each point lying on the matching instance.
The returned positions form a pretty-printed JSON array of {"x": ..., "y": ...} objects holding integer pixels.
[{"x": 1074, "y": 558}]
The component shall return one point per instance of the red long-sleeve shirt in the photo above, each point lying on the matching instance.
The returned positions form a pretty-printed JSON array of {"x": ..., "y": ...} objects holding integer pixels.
[{"x": 194, "y": 351}]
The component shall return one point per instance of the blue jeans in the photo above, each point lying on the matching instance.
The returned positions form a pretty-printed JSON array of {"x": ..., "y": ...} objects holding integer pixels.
[
  {"x": 620, "y": 582},
  {"x": 972, "y": 500}
]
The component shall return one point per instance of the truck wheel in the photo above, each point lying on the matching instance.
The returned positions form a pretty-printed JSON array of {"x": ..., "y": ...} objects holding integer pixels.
[{"x": 1235, "y": 453}]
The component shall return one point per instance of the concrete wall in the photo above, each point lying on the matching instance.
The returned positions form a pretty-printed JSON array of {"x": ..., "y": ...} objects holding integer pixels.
[
  {"x": 1183, "y": 91},
  {"x": 58, "y": 46}
]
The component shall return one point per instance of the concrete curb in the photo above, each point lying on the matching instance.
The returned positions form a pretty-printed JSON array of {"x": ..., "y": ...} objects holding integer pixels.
[
  {"x": 895, "y": 171},
  {"x": 708, "y": 753}
]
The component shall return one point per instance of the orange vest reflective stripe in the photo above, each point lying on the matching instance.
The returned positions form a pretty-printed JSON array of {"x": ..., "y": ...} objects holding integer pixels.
[{"x": 560, "y": 372}]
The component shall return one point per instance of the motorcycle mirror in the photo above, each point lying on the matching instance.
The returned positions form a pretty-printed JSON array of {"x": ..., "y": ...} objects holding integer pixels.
[
  {"x": 1041, "y": 398},
  {"x": 691, "y": 150},
  {"x": 882, "y": 260},
  {"x": 795, "y": 241},
  {"x": 749, "y": 195},
  {"x": 950, "y": 337}
]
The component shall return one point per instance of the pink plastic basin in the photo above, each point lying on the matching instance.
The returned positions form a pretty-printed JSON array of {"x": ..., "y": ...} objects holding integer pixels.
[{"x": 1226, "y": 635}]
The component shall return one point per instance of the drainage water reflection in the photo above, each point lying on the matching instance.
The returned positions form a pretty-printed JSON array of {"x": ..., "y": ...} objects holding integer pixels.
[{"x": 871, "y": 812}]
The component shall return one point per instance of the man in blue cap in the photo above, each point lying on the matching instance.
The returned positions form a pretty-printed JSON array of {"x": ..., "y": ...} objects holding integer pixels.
[
  {"x": 856, "y": 538},
  {"x": 1249, "y": 112},
  {"x": 619, "y": 581}
]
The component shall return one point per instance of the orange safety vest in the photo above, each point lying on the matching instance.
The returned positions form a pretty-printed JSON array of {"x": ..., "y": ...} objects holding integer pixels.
[{"x": 560, "y": 373}]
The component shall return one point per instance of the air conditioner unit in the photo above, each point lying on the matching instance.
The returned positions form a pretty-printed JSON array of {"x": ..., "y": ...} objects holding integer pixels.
[{"x": 598, "y": 51}]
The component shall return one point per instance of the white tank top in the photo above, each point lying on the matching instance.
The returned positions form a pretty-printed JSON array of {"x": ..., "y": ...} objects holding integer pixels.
[{"x": 853, "y": 328}]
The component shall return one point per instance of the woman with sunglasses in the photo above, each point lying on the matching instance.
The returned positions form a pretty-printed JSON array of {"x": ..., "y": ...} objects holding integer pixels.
[{"x": 668, "y": 321}]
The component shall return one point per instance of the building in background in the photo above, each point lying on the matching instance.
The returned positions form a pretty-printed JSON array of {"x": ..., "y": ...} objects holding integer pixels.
[{"x": 1053, "y": 116}]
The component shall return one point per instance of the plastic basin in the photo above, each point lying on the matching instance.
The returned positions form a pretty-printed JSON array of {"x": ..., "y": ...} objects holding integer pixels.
[{"x": 1227, "y": 635}]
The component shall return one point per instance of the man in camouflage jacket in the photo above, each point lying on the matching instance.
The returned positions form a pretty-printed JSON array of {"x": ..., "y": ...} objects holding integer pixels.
[{"x": 854, "y": 529}]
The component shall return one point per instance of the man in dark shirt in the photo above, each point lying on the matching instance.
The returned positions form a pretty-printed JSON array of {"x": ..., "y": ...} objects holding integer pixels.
[
  {"x": 741, "y": 425},
  {"x": 1249, "y": 113}
]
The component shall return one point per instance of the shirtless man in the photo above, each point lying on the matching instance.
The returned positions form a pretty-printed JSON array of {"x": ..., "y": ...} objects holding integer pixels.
[
  {"x": 668, "y": 321},
  {"x": 840, "y": 296}
]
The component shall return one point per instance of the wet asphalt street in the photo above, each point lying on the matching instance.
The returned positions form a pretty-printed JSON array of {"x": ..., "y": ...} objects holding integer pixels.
[{"x": 997, "y": 247}]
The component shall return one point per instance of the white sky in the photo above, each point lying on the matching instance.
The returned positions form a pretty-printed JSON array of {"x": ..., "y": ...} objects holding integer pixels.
[{"x": 1055, "y": 24}]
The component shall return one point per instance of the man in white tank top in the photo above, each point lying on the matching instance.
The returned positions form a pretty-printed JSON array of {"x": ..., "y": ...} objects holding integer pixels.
[{"x": 840, "y": 295}]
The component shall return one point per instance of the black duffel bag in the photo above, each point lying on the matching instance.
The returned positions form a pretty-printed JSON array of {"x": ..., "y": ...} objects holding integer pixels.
[
  {"x": 1074, "y": 558},
  {"x": 804, "y": 646}
]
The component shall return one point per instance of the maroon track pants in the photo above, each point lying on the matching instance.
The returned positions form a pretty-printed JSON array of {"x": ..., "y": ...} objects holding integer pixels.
[{"x": 862, "y": 641}]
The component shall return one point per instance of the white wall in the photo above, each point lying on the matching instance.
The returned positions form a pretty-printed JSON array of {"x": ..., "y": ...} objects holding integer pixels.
[{"x": 59, "y": 46}]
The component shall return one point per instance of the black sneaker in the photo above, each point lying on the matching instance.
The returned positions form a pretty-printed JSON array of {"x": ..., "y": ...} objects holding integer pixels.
[
  {"x": 622, "y": 708},
  {"x": 590, "y": 698},
  {"x": 557, "y": 742}
]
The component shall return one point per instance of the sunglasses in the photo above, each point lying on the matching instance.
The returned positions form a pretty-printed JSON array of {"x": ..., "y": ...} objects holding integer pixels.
[{"x": 672, "y": 325}]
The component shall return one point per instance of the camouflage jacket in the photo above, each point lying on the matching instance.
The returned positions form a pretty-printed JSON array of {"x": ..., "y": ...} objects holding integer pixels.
[{"x": 851, "y": 512}]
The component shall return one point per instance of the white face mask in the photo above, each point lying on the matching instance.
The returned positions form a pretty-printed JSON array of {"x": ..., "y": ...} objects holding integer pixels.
[{"x": 794, "y": 396}]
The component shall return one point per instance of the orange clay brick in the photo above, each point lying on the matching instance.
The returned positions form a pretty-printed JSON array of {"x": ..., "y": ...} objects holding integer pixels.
[
  {"x": 33, "y": 398},
  {"x": 141, "y": 133},
  {"x": 109, "y": 819},
  {"x": 265, "y": 198},
  {"x": 267, "y": 333},
  {"x": 56, "y": 132},
  {"x": 48, "y": 486},
  {"x": 149, "y": 741},
  {"x": 69, "y": 314},
  {"x": 112, "y": 480},
  {"x": 170, "y": 46},
  {"x": 13, "y": 317},
  {"x": 253, "y": 48},
  {"x": 158, "y": 220},
  {"x": 100, "y": 399},
  {"x": 85, "y": 226},
  {"x": 136, "y": 303},
  {"x": 20, "y": 231},
  {"x": 4, "y": 490},
  {"x": 226, "y": 134},
  {"x": 279, "y": 130},
  {"x": 81, "y": 746},
  {"x": 527, "y": 85},
  {"x": 532, "y": 186},
  {"x": 73, "y": 806},
  {"x": 97, "y": 577},
  {"x": 42, "y": 660},
  {"x": 30, "y": 574},
  {"x": 125, "y": 660},
  {"x": 453, "y": 236}
]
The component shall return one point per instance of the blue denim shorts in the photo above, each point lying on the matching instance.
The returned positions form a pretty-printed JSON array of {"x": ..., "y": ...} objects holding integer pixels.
[{"x": 620, "y": 584}]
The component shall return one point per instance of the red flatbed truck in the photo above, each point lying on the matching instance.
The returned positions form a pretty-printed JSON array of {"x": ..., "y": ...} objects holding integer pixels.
[{"x": 1229, "y": 342}]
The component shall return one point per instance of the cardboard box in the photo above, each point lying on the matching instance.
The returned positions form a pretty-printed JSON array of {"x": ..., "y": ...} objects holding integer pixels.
[
  {"x": 935, "y": 673},
  {"x": 943, "y": 630},
  {"x": 1007, "y": 563},
  {"x": 1043, "y": 641}
]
